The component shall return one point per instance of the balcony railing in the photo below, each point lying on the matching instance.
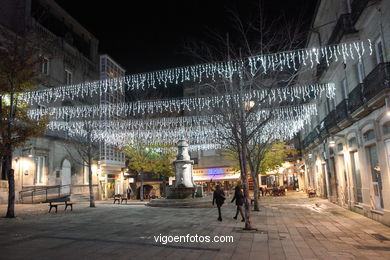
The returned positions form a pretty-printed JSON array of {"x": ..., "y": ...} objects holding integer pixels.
[
  {"x": 369, "y": 94},
  {"x": 342, "y": 111},
  {"x": 355, "y": 98},
  {"x": 309, "y": 138},
  {"x": 330, "y": 121},
  {"x": 377, "y": 81}
]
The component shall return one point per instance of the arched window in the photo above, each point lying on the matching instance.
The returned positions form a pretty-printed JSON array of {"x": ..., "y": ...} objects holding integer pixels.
[
  {"x": 369, "y": 135},
  {"x": 339, "y": 147},
  {"x": 386, "y": 128},
  {"x": 352, "y": 142}
]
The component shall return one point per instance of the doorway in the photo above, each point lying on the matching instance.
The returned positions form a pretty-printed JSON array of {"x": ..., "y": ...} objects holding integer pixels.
[{"x": 65, "y": 177}]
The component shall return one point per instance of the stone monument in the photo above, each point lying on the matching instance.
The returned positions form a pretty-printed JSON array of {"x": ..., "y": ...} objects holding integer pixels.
[
  {"x": 183, "y": 166},
  {"x": 182, "y": 193},
  {"x": 184, "y": 182}
]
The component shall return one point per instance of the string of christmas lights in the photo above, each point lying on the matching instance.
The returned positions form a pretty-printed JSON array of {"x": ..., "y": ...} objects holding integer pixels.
[
  {"x": 290, "y": 94},
  {"x": 200, "y": 137},
  {"x": 291, "y": 60},
  {"x": 175, "y": 123}
]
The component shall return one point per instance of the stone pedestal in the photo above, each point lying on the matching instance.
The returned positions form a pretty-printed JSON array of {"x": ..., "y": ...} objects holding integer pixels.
[
  {"x": 183, "y": 166},
  {"x": 182, "y": 194}
]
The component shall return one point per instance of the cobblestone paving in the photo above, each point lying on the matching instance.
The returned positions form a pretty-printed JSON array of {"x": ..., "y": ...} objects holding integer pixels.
[{"x": 291, "y": 227}]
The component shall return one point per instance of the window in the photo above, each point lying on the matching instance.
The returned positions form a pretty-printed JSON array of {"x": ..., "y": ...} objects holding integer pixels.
[
  {"x": 369, "y": 135},
  {"x": 40, "y": 164},
  {"x": 386, "y": 128},
  {"x": 339, "y": 147},
  {"x": 379, "y": 55},
  {"x": 356, "y": 176},
  {"x": 45, "y": 66},
  {"x": 352, "y": 142},
  {"x": 86, "y": 174},
  {"x": 376, "y": 176},
  {"x": 360, "y": 72},
  {"x": 68, "y": 77}
]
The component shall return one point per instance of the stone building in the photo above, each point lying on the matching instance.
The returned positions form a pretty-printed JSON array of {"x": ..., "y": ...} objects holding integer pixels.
[
  {"x": 347, "y": 146},
  {"x": 112, "y": 161},
  {"x": 44, "y": 163}
]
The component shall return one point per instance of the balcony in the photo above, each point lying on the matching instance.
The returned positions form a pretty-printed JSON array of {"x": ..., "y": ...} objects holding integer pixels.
[
  {"x": 377, "y": 82},
  {"x": 362, "y": 100},
  {"x": 330, "y": 122},
  {"x": 342, "y": 116},
  {"x": 309, "y": 139},
  {"x": 371, "y": 93},
  {"x": 355, "y": 98}
]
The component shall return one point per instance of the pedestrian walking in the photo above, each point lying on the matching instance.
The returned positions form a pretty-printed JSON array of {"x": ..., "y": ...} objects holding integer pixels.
[
  {"x": 239, "y": 198},
  {"x": 219, "y": 199},
  {"x": 128, "y": 192}
]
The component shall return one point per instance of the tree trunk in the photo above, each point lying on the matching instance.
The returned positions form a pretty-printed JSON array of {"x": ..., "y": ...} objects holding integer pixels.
[
  {"x": 91, "y": 194},
  {"x": 244, "y": 178},
  {"x": 133, "y": 189},
  {"x": 11, "y": 194},
  {"x": 10, "y": 171},
  {"x": 255, "y": 185},
  {"x": 141, "y": 191},
  {"x": 164, "y": 186},
  {"x": 255, "y": 192}
]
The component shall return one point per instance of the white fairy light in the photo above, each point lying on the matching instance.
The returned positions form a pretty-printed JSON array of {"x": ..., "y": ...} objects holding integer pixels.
[
  {"x": 175, "y": 123},
  {"x": 182, "y": 104},
  {"x": 198, "y": 73}
]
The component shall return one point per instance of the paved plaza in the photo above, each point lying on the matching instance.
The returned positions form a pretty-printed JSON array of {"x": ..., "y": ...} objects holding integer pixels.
[{"x": 291, "y": 227}]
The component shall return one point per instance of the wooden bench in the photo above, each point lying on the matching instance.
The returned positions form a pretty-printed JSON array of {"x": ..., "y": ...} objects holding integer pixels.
[
  {"x": 117, "y": 197},
  {"x": 123, "y": 197},
  {"x": 312, "y": 193},
  {"x": 120, "y": 198},
  {"x": 54, "y": 203}
]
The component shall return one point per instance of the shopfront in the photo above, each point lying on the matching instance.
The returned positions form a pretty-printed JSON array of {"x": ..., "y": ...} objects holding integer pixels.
[{"x": 226, "y": 177}]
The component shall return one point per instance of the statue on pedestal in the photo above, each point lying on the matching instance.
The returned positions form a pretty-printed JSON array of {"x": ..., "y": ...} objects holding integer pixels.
[
  {"x": 183, "y": 166},
  {"x": 184, "y": 182}
]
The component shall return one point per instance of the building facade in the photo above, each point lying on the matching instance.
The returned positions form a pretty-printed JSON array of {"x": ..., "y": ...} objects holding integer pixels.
[
  {"x": 50, "y": 164},
  {"x": 346, "y": 148},
  {"x": 112, "y": 161}
]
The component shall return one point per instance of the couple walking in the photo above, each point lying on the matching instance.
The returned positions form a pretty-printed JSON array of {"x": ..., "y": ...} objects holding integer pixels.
[{"x": 219, "y": 199}]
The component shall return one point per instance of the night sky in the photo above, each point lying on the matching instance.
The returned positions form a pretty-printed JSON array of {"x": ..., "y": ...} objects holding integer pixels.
[{"x": 151, "y": 35}]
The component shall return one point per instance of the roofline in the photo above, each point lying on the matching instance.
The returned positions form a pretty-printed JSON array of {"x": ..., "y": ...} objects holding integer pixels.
[
  {"x": 116, "y": 63},
  {"x": 71, "y": 18}
]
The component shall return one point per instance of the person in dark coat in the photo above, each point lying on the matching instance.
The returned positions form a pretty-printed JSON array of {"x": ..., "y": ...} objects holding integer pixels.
[
  {"x": 239, "y": 198},
  {"x": 219, "y": 199},
  {"x": 128, "y": 192}
]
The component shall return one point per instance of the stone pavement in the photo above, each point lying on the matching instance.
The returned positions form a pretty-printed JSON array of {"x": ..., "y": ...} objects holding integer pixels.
[{"x": 291, "y": 227}]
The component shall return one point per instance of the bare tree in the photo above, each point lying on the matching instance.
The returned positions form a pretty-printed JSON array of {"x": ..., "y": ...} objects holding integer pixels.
[
  {"x": 241, "y": 127},
  {"x": 85, "y": 153}
]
